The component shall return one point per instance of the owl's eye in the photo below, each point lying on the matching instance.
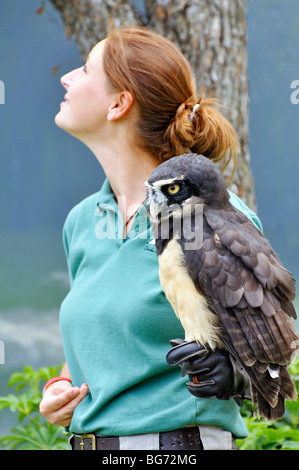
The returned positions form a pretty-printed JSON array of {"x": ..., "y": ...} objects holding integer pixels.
[{"x": 173, "y": 188}]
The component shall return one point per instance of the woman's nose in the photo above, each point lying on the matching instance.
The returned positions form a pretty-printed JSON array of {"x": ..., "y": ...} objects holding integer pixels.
[{"x": 69, "y": 77}]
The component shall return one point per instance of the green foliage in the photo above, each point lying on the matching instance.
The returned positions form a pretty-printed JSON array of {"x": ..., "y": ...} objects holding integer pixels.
[
  {"x": 273, "y": 435},
  {"x": 34, "y": 431}
]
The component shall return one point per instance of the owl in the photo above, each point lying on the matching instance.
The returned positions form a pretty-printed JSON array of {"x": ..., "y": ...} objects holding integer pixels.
[{"x": 222, "y": 278}]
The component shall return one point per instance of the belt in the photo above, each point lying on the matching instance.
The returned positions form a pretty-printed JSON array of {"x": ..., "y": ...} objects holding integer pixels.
[{"x": 180, "y": 439}]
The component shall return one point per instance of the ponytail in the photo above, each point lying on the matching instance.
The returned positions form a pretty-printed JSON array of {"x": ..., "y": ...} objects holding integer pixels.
[{"x": 214, "y": 136}]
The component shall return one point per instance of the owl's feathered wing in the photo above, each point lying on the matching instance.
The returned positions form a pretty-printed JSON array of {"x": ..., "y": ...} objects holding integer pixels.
[{"x": 251, "y": 292}]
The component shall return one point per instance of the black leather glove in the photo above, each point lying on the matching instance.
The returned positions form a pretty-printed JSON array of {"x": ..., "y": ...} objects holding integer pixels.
[{"x": 212, "y": 373}]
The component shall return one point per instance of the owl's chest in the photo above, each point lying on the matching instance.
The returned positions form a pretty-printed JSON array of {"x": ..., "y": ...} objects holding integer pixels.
[{"x": 189, "y": 305}]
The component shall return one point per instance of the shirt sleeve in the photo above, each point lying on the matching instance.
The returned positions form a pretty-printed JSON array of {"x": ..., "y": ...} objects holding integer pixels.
[{"x": 241, "y": 206}]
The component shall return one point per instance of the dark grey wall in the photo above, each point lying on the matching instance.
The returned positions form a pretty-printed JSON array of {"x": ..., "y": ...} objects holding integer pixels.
[
  {"x": 43, "y": 171},
  {"x": 273, "y": 32}
]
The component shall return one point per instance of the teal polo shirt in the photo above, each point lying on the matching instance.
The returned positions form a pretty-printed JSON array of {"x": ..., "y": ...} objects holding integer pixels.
[{"x": 116, "y": 324}]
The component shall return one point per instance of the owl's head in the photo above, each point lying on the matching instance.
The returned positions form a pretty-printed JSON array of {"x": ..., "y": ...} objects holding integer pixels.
[{"x": 185, "y": 180}]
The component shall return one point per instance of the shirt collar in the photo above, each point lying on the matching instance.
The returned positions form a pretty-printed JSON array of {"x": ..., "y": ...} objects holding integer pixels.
[
  {"x": 106, "y": 202},
  {"x": 106, "y": 195}
]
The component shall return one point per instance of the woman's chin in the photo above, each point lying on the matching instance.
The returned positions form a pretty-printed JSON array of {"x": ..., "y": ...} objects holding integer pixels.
[
  {"x": 58, "y": 120},
  {"x": 61, "y": 122}
]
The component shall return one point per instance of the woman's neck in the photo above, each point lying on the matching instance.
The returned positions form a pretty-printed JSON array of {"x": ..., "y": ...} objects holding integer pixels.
[{"x": 127, "y": 169}]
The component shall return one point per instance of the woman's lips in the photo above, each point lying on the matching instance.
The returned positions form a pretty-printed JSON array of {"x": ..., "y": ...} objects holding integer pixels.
[{"x": 66, "y": 100}]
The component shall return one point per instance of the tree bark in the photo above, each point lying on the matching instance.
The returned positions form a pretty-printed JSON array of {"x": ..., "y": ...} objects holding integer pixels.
[{"x": 212, "y": 34}]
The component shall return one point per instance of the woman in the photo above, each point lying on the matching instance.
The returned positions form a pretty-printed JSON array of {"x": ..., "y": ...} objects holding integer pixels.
[{"x": 134, "y": 105}]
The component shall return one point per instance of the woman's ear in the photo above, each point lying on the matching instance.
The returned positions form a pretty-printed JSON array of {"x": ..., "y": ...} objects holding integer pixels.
[{"x": 120, "y": 106}]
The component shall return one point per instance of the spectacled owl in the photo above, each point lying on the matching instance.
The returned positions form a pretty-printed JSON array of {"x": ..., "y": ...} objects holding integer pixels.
[{"x": 224, "y": 281}]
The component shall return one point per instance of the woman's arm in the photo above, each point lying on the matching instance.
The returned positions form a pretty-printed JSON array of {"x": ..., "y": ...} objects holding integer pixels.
[{"x": 65, "y": 371}]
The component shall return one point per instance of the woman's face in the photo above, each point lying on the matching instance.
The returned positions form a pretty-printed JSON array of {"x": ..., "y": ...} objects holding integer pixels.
[{"x": 84, "y": 109}]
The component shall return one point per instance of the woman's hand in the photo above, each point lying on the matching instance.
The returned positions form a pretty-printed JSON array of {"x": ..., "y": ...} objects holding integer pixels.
[{"x": 60, "y": 400}]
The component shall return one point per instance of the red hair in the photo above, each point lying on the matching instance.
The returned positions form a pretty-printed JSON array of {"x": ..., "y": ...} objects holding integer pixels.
[{"x": 160, "y": 80}]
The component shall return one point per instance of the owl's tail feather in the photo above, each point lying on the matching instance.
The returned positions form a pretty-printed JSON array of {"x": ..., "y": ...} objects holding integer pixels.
[
  {"x": 270, "y": 393},
  {"x": 265, "y": 410}
]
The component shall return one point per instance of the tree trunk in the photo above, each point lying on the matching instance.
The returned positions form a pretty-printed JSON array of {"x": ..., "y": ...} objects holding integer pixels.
[{"x": 212, "y": 35}]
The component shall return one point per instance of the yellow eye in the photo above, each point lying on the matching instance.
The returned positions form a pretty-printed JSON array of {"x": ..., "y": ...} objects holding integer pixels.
[{"x": 173, "y": 188}]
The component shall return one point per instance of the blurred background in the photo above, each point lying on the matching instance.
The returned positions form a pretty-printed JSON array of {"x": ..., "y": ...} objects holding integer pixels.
[{"x": 44, "y": 172}]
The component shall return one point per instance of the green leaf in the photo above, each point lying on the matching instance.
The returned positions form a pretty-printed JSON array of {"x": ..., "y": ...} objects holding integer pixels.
[
  {"x": 10, "y": 401},
  {"x": 290, "y": 445}
]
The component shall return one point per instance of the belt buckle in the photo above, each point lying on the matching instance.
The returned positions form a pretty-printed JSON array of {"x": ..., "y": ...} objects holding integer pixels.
[{"x": 88, "y": 436}]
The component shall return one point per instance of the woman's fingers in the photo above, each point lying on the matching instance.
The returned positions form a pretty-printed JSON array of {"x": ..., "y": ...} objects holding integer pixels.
[{"x": 59, "y": 409}]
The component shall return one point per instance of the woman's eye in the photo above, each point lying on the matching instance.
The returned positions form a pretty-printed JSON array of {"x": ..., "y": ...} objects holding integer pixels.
[{"x": 173, "y": 188}]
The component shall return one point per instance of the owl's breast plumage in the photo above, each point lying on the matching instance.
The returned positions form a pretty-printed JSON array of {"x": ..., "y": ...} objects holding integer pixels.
[{"x": 189, "y": 305}]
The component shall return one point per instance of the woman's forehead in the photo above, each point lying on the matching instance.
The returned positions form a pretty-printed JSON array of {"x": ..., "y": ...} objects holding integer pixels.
[{"x": 96, "y": 51}]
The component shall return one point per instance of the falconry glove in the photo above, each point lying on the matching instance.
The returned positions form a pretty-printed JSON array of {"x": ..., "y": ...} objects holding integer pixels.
[{"x": 212, "y": 373}]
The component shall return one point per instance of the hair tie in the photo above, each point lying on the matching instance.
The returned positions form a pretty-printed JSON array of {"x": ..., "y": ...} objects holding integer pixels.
[{"x": 193, "y": 111}]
